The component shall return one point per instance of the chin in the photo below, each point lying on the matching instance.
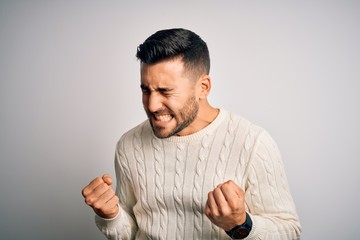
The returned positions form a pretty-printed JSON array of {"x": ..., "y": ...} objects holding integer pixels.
[
  {"x": 160, "y": 132},
  {"x": 161, "y": 135}
]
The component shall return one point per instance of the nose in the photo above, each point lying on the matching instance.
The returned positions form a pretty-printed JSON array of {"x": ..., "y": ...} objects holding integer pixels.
[{"x": 154, "y": 102}]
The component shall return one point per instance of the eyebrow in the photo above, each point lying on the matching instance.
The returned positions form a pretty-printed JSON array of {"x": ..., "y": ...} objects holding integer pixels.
[
  {"x": 144, "y": 87},
  {"x": 159, "y": 89}
]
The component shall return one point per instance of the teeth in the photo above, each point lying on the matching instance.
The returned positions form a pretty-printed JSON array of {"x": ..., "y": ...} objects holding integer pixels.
[{"x": 163, "y": 118}]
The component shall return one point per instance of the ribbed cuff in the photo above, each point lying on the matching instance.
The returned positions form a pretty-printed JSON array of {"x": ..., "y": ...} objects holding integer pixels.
[
  {"x": 257, "y": 228},
  {"x": 110, "y": 222}
]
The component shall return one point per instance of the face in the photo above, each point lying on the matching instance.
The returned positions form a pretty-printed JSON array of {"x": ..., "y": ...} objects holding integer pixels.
[{"x": 169, "y": 98}]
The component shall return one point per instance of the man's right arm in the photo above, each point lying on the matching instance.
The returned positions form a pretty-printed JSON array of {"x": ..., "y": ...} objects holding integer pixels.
[{"x": 111, "y": 218}]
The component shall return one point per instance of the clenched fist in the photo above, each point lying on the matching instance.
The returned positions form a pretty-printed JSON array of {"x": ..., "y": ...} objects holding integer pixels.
[
  {"x": 101, "y": 197},
  {"x": 225, "y": 206}
]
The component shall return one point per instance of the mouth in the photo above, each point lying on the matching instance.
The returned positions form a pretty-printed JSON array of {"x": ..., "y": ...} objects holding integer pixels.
[{"x": 162, "y": 119}]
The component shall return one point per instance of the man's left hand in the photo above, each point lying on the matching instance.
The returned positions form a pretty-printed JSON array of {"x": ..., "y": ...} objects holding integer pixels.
[{"x": 225, "y": 206}]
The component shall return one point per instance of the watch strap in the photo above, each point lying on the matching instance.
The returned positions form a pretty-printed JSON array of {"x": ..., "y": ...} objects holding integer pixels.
[{"x": 244, "y": 228}]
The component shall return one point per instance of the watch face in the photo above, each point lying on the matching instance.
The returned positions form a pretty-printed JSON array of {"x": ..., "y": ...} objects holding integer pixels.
[{"x": 241, "y": 233}]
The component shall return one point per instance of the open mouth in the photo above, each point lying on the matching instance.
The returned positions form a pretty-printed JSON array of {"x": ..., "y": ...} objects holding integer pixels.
[{"x": 163, "y": 117}]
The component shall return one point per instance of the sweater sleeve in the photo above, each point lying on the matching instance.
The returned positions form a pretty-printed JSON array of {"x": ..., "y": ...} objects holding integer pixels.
[
  {"x": 267, "y": 194},
  {"x": 124, "y": 225}
]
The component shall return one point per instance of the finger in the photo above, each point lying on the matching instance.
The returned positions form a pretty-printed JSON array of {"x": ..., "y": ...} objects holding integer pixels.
[
  {"x": 113, "y": 202},
  {"x": 239, "y": 191},
  {"x": 113, "y": 206},
  {"x": 229, "y": 192},
  {"x": 107, "y": 179},
  {"x": 91, "y": 186},
  {"x": 96, "y": 193},
  {"x": 232, "y": 195},
  {"x": 207, "y": 208},
  {"x": 219, "y": 196},
  {"x": 103, "y": 200},
  {"x": 221, "y": 202},
  {"x": 219, "y": 185},
  {"x": 109, "y": 208},
  {"x": 212, "y": 205}
]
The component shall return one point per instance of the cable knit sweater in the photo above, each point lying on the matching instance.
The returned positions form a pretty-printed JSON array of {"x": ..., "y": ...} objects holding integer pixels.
[{"x": 163, "y": 183}]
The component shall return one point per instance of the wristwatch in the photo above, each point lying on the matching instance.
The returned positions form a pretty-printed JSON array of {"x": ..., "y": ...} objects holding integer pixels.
[{"x": 241, "y": 231}]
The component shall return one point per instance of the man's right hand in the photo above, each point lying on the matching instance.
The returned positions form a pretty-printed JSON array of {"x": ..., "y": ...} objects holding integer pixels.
[{"x": 101, "y": 197}]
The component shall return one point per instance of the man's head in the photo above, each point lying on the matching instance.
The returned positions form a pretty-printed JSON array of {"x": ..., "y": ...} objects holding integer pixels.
[
  {"x": 176, "y": 43},
  {"x": 174, "y": 80}
]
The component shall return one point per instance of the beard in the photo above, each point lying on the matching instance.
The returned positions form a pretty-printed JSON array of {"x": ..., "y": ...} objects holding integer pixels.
[{"x": 183, "y": 118}]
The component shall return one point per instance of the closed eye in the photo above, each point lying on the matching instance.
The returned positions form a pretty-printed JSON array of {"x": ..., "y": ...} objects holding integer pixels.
[
  {"x": 164, "y": 91},
  {"x": 145, "y": 90}
]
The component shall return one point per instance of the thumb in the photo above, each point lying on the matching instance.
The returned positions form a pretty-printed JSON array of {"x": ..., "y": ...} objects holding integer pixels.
[{"x": 107, "y": 179}]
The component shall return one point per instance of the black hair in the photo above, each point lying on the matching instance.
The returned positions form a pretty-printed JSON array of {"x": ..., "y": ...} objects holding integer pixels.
[{"x": 172, "y": 43}]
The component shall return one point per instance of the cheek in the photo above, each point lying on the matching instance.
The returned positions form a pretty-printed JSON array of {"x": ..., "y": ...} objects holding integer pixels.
[{"x": 174, "y": 105}]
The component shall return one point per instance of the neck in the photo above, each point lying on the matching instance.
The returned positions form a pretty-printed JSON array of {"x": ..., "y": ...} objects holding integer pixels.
[{"x": 205, "y": 116}]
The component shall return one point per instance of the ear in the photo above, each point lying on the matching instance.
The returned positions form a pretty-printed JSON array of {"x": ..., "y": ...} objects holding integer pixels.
[{"x": 204, "y": 86}]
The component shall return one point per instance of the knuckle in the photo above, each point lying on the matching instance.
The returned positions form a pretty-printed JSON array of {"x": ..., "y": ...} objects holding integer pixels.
[
  {"x": 110, "y": 191},
  {"x": 215, "y": 214},
  {"x": 217, "y": 191},
  {"x": 98, "y": 181},
  {"x": 208, "y": 213},
  {"x": 223, "y": 211},
  {"x": 88, "y": 200},
  {"x": 227, "y": 184},
  {"x": 233, "y": 204},
  {"x": 84, "y": 192},
  {"x": 97, "y": 205},
  {"x": 103, "y": 185},
  {"x": 109, "y": 194}
]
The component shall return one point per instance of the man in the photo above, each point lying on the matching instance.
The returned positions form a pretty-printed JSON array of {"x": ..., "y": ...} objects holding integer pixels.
[{"x": 191, "y": 171}]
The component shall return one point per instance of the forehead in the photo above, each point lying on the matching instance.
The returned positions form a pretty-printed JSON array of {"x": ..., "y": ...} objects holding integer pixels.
[{"x": 164, "y": 72}]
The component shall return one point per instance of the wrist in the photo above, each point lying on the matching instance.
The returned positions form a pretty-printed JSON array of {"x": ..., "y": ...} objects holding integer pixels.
[
  {"x": 239, "y": 221},
  {"x": 111, "y": 215},
  {"x": 241, "y": 231}
]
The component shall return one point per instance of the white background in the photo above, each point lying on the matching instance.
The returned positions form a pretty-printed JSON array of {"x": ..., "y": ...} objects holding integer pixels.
[{"x": 70, "y": 87}]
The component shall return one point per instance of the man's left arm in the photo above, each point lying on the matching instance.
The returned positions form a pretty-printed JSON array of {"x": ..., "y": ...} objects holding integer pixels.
[{"x": 266, "y": 198}]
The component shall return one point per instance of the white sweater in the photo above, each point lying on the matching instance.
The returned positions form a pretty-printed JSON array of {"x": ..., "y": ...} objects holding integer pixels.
[{"x": 163, "y": 183}]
